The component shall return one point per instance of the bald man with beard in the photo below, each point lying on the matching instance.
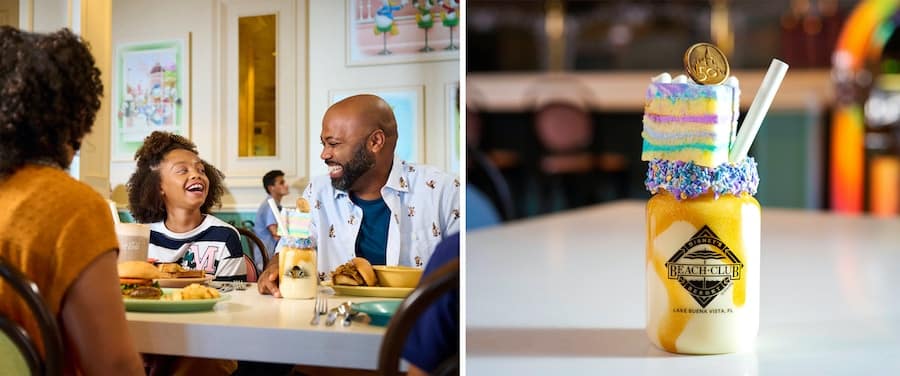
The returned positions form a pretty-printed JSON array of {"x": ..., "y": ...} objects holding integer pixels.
[{"x": 371, "y": 203}]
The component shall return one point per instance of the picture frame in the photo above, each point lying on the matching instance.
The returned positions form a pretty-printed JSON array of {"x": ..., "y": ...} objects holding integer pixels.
[
  {"x": 402, "y": 31},
  {"x": 454, "y": 133},
  {"x": 408, "y": 110},
  {"x": 150, "y": 91}
]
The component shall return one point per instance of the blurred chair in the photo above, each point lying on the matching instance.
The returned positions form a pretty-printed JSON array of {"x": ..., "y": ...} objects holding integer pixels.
[
  {"x": 569, "y": 170},
  {"x": 254, "y": 243},
  {"x": 18, "y": 351},
  {"x": 433, "y": 287},
  {"x": 484, "y": 175},
  {"x": 481, "y": 170},
  {"x": 566, "y": 167}
]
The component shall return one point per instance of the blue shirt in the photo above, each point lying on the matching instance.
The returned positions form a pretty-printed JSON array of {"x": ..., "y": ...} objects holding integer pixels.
[
  {"x": 480, "y": 212},
  {"x": 435, "y": 336},
  {"x": 264, "y": 218},
  {"x": 371, "y": 242}
]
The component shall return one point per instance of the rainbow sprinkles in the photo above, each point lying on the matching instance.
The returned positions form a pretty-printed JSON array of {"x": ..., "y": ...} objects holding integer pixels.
[{"x": 687, "y": 180}]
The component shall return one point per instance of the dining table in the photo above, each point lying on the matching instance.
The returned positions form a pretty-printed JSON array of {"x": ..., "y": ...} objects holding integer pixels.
[
  {"x": 566, "y": 294},
  {"x": 247, "y": 325}
]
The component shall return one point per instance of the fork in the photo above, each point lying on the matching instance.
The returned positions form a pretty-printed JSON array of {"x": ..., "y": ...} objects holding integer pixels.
[
  {"x": 320, "y": 308},
  {"x": 222, "y": 286}
]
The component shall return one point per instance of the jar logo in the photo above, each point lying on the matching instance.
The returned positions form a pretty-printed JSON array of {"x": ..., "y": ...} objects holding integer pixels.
[
  {"x": 705, "y": 266},
  {"x": 297, "y": 272}
]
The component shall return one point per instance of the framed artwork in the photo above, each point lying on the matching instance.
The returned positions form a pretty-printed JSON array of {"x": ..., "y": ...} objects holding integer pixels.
[
  {"x": 401, "y": 31},
  {"x": 407, "y": 105},
  {"x": 150, "y": 93},
  {"x": 451, "y": 95}
]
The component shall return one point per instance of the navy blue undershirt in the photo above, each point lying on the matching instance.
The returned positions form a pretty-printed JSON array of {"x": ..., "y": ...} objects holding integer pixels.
[{"x": 371, "y": 242}]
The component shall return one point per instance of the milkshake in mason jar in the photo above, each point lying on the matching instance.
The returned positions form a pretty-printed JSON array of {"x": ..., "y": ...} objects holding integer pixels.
[
  {"x": 297, "y": 261},
  {"x": 703, "y": 224}
]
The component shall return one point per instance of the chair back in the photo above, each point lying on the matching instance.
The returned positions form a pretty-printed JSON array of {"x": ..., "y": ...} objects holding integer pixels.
[
  {"x": 18, "y": 355},
  {"x": 563, "y": 128},
  {"x": 498, "y": 188},
  {"x": 432, "y": 287},
  {"x": 252, "y": 271},
  {"x": 254, "y": 242},
  {"x": 17, "y": 338}
]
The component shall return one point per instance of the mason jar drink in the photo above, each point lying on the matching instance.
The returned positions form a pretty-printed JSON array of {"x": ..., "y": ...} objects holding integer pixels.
[
  {"x": 703, "y": 249},
  {"x": 298, "y": 277},
  {"x": 134, "y": 241}
]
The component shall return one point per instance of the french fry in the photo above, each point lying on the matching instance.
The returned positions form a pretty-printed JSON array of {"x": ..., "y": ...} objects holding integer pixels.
[{"x": 193, "y": 292}]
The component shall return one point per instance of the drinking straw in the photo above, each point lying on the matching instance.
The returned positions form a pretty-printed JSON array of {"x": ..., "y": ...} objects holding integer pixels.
[
  {"x": 113, "y": 210},
  {"x": 274, "y": 207},
  {"x": 757, "y": 112}
]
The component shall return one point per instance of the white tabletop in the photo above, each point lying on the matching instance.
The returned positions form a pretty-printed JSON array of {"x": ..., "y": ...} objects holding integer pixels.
[
  {"x": 573, "y": 297},
  {"x": 250, "y": 326}
]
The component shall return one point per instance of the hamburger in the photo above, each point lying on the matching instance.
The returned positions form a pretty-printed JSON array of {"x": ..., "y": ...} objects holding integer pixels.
[
  {"x": 136, "y": 280},
  {"x": 356, "y": 272}
]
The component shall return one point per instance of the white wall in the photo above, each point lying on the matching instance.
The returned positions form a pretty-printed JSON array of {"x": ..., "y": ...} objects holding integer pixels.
[
  {"x": 49, "y": 15},
  {"x": 141, "y": 20},
  {"x": 328, "y": 71},
  {"x": 45, "y": 15}
]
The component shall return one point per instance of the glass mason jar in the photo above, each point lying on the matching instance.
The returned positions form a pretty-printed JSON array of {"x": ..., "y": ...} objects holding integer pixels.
[
  {"x": 703, "y": 259},
  {"x": 298, "y": 277}
]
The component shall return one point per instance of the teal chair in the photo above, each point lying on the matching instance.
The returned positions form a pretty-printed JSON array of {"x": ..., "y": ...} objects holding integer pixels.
[
  {"x": 18, "y": 352},
  {"x": 253, "y": 242}
]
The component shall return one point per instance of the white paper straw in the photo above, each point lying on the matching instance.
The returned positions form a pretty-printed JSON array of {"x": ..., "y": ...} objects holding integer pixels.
[
  {"x": 757, "y": 112},
  {"x": 113, "y": 210},
  {"x": 282, "y": 229}
]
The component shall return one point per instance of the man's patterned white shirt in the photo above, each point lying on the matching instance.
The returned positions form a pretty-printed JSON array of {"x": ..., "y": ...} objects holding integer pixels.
[{"x": 424, "y": 205}]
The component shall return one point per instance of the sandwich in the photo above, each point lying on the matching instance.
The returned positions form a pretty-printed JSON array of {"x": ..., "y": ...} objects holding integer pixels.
[
  {"x": 356, "y": 272},
  {"x": 136, "y": 280},
  {"x": 173, "y": 270}
]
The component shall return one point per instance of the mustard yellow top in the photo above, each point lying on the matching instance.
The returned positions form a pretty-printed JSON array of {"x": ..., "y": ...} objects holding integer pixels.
[{"x": 51, "y": 228}]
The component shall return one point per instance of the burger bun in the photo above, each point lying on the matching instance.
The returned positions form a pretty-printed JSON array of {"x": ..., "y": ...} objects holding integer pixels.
[
  {"x": 340, "y": 279},
  {"x": 365, "y": 270},
  {"x": 138, "y": 270}
]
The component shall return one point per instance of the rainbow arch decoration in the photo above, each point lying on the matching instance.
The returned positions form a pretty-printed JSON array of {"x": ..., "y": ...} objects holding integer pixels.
[{"x": 861, "y": 40}]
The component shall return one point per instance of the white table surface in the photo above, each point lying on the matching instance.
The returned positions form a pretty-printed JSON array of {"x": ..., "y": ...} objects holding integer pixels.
[
  {"x": 250, "y": 326},
  {"x": 565, "y": 294}
]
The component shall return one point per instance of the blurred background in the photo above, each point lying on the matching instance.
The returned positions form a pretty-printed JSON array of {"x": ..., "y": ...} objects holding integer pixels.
[{"x": 555, "y": 92}]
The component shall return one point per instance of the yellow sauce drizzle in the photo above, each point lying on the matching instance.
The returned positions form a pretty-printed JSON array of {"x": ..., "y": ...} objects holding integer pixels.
[{"x": 724, "y": 217}]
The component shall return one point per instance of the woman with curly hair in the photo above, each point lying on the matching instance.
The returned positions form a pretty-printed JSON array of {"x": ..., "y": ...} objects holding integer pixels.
[
  {"x": 58, "y": 231},
  {"x": 174, "y": 190}
]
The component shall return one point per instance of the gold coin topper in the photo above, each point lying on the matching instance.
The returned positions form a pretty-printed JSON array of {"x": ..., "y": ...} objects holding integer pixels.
[{"x": 706, "y": 64}]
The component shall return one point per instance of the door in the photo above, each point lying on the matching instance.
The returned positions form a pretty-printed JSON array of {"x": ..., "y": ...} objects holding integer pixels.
[{"x": 9, "y": 12}]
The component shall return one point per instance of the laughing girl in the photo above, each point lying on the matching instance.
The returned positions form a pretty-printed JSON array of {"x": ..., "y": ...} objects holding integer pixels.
[{"x": 173, "y": 190}]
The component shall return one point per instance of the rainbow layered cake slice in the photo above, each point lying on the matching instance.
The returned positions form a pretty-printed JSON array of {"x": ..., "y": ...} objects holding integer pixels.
[{"x": 690, "y": 122}]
